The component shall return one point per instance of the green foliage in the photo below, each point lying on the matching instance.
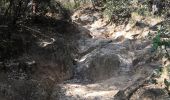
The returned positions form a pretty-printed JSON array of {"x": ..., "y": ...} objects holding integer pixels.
[
  {"x": 3, "y": 4},
  {"x": 159, "y": 42},
  {"x": 98, "y": 3},
  {"x": 167, "y": 83},
  {"x": 166, "y": 7},
  {"x": 19, "y": 10},
  {"x": 143, "y": 10},
  {"x": 71, "y": 5},
  {"x": 119, "y": 8},
  {"x": 115, "y": 6},
  {"x": 118, "y": 11}
]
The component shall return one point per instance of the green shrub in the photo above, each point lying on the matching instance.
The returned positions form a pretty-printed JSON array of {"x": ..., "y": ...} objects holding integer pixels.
[
  {"x": 115, "y": 6},
  {"x": 71, "y": 6},
  {"x": 159, "y": 42}
]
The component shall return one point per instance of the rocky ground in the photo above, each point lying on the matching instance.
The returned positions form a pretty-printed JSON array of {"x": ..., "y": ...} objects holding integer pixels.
[
  {"x": 104, "y": 62},
  {"x": 114, "y": 63}
]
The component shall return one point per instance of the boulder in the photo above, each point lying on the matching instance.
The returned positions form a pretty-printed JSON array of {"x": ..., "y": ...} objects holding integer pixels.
[
  {"x": 86, "y": 19},
  {"x": 98, "y": 65}
]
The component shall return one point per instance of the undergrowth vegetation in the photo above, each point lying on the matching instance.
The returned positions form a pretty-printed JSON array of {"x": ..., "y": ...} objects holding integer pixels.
[
  {"x": 160, "y": 45},
  {"x": 119, "y": 10},
  {"x": 161, "y": 41}
]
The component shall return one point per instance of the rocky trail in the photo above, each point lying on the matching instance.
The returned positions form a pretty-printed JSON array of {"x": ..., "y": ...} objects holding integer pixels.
[
  {"x": 87, "y": 60},
  {"x": 113, "y": 63}
]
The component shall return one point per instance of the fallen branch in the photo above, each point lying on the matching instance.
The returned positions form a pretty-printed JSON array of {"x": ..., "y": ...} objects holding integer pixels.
[
  {"x": 31, "y": 29},
  {"x": 37, "y": 31},
  {"x": 128, "y": 92}
]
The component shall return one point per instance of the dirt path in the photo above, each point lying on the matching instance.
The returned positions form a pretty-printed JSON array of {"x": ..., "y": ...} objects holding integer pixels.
[{"x": 109, "y": 61}]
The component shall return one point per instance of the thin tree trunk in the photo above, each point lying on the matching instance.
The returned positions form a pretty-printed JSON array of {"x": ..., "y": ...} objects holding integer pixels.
[
  {"x": 7, "y": 10},
  {"x": 33, "y": 6}
]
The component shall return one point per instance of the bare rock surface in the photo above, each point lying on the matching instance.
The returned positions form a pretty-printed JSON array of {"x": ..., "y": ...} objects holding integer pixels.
[
  {"x": 102, "y": 72},
  {"x": 109, "y": 63}
]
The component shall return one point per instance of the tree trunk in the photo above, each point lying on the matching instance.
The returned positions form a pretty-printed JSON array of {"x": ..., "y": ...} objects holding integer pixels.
[{"x": 33, "y": 6}]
